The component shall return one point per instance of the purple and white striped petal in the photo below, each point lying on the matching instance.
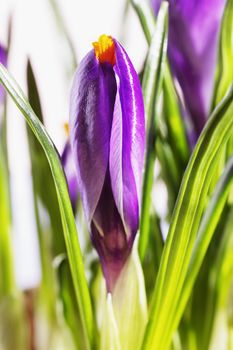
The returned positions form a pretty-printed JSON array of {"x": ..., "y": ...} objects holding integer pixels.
[
  {"x": 127, "y": 143},
  {"x": 91, "y": 109}
]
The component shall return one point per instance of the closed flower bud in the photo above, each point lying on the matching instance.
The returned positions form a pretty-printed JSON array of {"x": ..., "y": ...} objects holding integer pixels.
[{"x": 107, "y": 133}]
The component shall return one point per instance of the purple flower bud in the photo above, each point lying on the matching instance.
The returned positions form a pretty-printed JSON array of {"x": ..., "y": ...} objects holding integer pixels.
[
  {"x": 108, "y": 139},
  {"x": 192, "y": 50},
  {"x": 3, "y": 60}
]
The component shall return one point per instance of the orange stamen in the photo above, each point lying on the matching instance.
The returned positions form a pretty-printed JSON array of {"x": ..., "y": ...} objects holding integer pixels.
[
  {"x": 105, "y": 49},
  {"x": 67, "y": 129}
]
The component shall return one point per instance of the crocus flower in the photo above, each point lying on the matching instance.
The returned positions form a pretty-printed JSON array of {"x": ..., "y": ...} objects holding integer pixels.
[
  {"x": 70, "y": 172},
  {"x": 192, "y": 50},
  {"x": 107, "y": 130},
  {"x": 3, "y": 60}
]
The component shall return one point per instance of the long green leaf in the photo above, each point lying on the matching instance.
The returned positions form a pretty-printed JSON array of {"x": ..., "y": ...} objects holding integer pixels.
[
  {"x": 7, "y": 280},
  {"x": 65, "y": 39},
  {"x": 175, "y": 125},
  {"x": 69, "y": 227},
  {"x": 146, "y": 17},
  {"x": 7, "y": 277},
  {"x": 185, "y": 222},
  {"x": 176, "y": 149},
  {"x": 205, "y": 234},
  {"x": 51, "y": 239},
  {"x": 50, "y": 234},
  {"x": 221, "y": 276},
  {"x": 173, "y": 118},
  {"x": 151, "y": 85}
]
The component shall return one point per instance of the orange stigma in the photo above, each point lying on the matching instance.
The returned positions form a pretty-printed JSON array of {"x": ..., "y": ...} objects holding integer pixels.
[
  {"x": 67, "y": 129},
  {"x": 105, "y": 49}
]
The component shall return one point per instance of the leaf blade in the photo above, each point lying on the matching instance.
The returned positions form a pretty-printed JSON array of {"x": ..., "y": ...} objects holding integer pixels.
[
  {"x": 70, "y": 232},
  {"x": 151, "y": 85},
  {"x": 185, "y": 221}
]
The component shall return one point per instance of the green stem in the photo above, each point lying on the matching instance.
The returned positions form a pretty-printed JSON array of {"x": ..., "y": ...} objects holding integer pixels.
[
  {"x": 7, "y": 282},
  {"x": 151, "y": 86}
]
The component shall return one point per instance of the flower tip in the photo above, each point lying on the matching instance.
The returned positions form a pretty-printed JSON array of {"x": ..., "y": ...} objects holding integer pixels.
[
  {"x": 67, "y": 129},
  {"x": 105, "y": 49}
]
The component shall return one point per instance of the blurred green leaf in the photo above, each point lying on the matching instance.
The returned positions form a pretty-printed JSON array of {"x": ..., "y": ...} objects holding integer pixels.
[
  {"x": 69, "y": 227},
  {"x": 44, "y": 188},
  {"x": 184, "y": 225},
  {"x": 146, "y": 17},
  {"x": 7, "y": 278},
  {"x": 175, "y": 126},
  {"x": 70, "y": 310},
  {"x": 65, "y": 39},
  {"x": 172, "y": 147},
  {"x": 50, "y": 232},
  {"x": 151, "y": 86},
  {"x": 13, "y": 325},
  {"x": 173, "y": 119}
]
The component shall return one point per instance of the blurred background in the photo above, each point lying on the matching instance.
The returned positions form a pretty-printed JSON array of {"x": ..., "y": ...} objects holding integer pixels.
[{"x": 37, "y": 34}]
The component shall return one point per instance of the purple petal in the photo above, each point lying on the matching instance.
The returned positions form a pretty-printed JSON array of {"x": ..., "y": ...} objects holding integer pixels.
[
  {"x": 3, "y": 60},
  {"x": 192, "y": 49},
  {"x": 91, "y": 110},
  {"x": 108, "y": 235},
  {"x": 69, "y": 168},
  {"x": 193, "y": 38},
  {"x": 127, "y": 143},
  {"x": 156, "y": 5}
]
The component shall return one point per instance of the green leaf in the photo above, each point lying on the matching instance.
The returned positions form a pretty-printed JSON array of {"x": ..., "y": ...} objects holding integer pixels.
[
  {"x": 7, "y": 279},
  {"x": 151, "y": 86},
  {"x": 50, "y": 232},
  {"x": 173, "y": 119},
  {"x": 64, "y": 39},
  {"x": 146, "y": 17},
  {"x": 153, "y": 255},
  {"x": 7, "y": 276},
  {"x": 173, "y": 152},
  {"x": 14, "y": 330},
  {"x": 184, "y": 225},
  {"x": 69, "y": 227},
  {"x": 205, "y": 233},
  {"x": 67, "y": 295},
  {"x": 175, "y": 125},
  {"x": 44, "y": 187},
  {"x": 221, "y": 278}
]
